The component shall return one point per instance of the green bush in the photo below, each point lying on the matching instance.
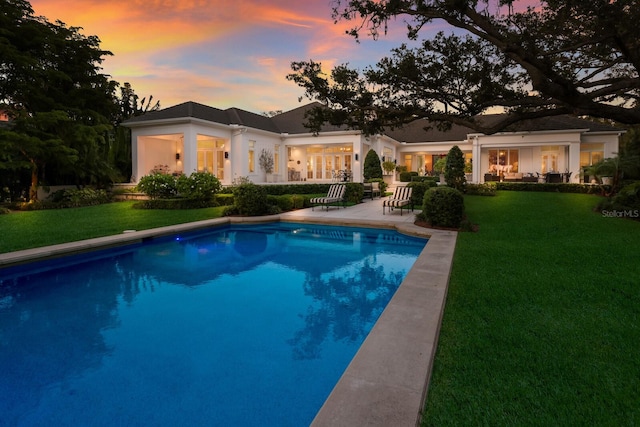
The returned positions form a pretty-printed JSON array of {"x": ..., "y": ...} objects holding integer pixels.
[
  {"x": 425, "y": 178},
  {"x": 554, "y": 187},
  {"x": 198, "y": 185},
  {"x": 4, "y": 211},
  {"x": 443, "y": 206},
  {"x": 158, "y": 186},
  {"x": 354, "y": 192},
  {"x": 628, "y": 197},
  {"x": 419, "y": 189},
  {"x": 372, "y": 168},
  {"x": 454, "y": 169},
  {"x": 486, "y": 189},
  {"x": 405, "y": 176},
  {"x": 284, "y": 203},
  {"x": 250, "y": 200},
  {"x": 625, "y": 203},
  {"x": 223, "y": 199},
  {"x": 75, "y": 198},
  {"x": 381, "y": 184},
  {"x": 179, "y": 203}
]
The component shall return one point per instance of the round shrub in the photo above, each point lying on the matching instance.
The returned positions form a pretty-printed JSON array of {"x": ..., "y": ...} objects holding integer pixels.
[
  {"x": 158, "y": 186},
  {"x": 198, "y": 185},
  {"x": 443, "y": 206},
  {"x": 250, "y": 200}
]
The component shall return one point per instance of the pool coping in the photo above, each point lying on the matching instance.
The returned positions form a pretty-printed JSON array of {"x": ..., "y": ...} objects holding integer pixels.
[{"x": 378, "y": 388}]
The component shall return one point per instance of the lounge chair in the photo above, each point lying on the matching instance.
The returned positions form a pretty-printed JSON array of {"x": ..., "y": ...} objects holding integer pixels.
[
  {"x": 401, "y": 198},
  {"x": 335, "y": 195}
]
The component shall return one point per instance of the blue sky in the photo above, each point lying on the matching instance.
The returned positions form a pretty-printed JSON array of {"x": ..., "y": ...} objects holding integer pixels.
[{"x": 217, "y": 52}]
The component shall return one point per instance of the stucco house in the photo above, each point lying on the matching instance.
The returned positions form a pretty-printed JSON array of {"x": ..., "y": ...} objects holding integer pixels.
[{"x": 193, "y": 137}]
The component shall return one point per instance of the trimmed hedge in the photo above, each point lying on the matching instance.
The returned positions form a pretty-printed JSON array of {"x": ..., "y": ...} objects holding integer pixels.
[
  {"x": 408, "y": 176},
  {"x": 486, "y": 189},
  {"x": 180, "y": 203},
  {"x": 554, "y": 188},
  {"x": 250, "y": 200},
  {"x": 425, "y": 178},
  {"x": 443, "y": 207}
]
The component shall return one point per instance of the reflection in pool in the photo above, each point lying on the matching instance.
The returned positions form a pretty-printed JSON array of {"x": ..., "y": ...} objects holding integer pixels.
[{"x": 242, "y": 325}]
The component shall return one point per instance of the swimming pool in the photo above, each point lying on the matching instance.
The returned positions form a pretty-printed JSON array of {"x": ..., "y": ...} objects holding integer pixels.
[{"x": 242, "y": 325}]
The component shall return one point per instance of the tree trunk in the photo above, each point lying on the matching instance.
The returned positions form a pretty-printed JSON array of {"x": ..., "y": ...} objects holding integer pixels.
[{"x": 33, "y": 190}]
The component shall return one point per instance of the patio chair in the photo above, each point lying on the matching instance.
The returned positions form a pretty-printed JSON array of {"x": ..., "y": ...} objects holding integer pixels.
[
  {"x": 335, "y": 195},
  {"x": 401, "y": 198}
]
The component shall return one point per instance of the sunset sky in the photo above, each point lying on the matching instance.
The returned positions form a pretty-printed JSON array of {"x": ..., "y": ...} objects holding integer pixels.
[{"x": 217, "y": 52}]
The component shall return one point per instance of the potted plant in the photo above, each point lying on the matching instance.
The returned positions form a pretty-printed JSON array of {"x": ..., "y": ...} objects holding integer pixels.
[
  {"x": 438, "y": 168},
  {"x": 606, "y": 170},
  {"x": 266, "y": 163},
  {"x": 388, "y": 167}
]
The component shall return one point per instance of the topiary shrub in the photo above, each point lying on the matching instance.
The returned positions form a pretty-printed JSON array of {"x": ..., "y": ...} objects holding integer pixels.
[
  {"x": 454, "y": 169},
  {"x": 372, "y": 167},
  {"x": 198, "y": 186},
  {"x": 250, "y": 200},
  {"x": 158, "y": 186},
  {"x": 443, "y": 207}
]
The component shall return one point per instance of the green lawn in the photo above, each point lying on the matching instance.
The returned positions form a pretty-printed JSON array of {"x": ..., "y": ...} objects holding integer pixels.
[
  {"x": 23, "y": 230},
  {"x": 542, "y": 320}
]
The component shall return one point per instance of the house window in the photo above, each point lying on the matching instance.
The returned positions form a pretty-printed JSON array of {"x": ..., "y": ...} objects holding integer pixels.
[
  {"x": 407, "y": 161},
  {"x": 252, "y": 156},
  {"x": 504, "y": 160},
  {"x": 276, "y": 159},
  {"x": 590, "y": 154}
]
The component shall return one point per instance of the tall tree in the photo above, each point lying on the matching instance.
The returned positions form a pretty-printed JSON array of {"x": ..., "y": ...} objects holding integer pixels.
[
  {"x": 59, "y": 102},
  {"x": 129, "y": 105},
  {"x": 557, "y": 57}
]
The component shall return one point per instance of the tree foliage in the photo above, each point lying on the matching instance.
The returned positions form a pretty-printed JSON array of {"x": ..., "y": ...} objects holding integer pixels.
[
  {"x": 561, "y": 57},
  {"x": 62, "y": 108}
]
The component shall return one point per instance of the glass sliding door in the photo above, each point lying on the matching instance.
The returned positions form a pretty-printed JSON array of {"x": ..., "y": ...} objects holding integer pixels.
[{"x": 327, "y": 163}]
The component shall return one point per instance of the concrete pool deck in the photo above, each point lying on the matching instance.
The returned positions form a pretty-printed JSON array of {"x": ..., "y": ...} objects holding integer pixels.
[{"x": 386, "y": 382}]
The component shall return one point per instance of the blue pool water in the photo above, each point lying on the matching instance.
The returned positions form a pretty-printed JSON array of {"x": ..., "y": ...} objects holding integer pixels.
[{"x": 236, "y": 326}]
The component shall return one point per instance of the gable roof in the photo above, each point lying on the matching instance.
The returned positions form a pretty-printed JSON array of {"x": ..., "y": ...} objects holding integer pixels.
[{"x": 292, "y": 122}]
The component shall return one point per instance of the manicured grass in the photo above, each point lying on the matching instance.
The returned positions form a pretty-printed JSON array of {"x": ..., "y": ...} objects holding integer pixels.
[
  {"x": 23, "y": 230},
  {"x": 542, "y": 319}
]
